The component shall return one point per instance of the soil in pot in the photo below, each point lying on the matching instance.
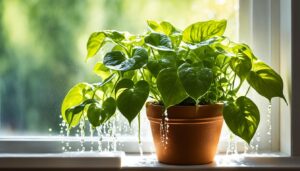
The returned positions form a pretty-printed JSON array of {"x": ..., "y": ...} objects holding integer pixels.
[{"x": 190, "y": 134}]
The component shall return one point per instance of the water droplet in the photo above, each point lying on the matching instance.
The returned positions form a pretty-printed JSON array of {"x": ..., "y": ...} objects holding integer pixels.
[
  {"x": 50, "y": 129},
  {"x": 231, "y": 145}
]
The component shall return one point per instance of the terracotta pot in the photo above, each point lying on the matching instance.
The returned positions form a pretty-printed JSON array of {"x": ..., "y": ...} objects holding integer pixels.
[{"x": 193, "y": 133}]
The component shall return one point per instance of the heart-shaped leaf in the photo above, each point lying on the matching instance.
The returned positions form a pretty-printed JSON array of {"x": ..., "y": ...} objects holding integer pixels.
[
  {"x": 109, "y": 107},
  {"x": 73, "y": 114},
  {"x": 98, "y": 115},
  {"x": 124, "y": 83},
  {"x": 243, "y": 49},
  {"x": 75, "y": 97},
  {"x": 265, "y": 81},
  {"x": 170, "y": 87},
  {"x": 154, "y": 67},
  {"x": 95, "y": 114},
  {"x": 242, "y": 117},
  {"x": 241, "y": 65},
  {"x": 95, "y": 42},
  {"x": 195, "y": 80},
  {"x": 98, "y": 39},
  {"x": 201, "y": 31},
  {"x": 131, "y": 101},
  {"x": 116, "y": 60},
  {"x": 159, "y": 41}
]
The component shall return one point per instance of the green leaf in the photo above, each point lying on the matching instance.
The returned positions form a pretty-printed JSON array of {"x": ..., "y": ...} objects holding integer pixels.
[
  {"x": 109, "y": 107},
  {"x": 166, "y": 60},
  {"x": 243, "y": 49},
  {"x": 131, "y": 101},
  {"x": 195, "y": 80},
  {"x": 265, "y": 81},
  {"x": 101, "y": 70},
  {"x": 222, "y": 60},
  {"x": 211, "y": 42},
  {"x": 140, "y": 57},
  {"x": 176, "y": 39},
  {"x": 168, "y": 29},
  {"x": 114, "y": 35},
  {"x": 75, "y": 96},
  {"x": 203, "y": 54},
  {"x": 95, "y": 42},
  {"x": 242, "y": 117},
  {"x": 97, "y": 115},
  {"x": 170, "y": 87},
  {"x": 74, "y": 114},
  {"x": 119, "y": 48},
  {"x": 154, "y": 67},
  {"x": 201, "y": 31},
  {"x": 124, "y": 83},
  {"x": 163, "y": 27},
  {"x": 159, "y": 41},
  {"x": 116, "y": 60},
  {"x": 98, "y": 39},
  {"x": 241, "y": 65}
]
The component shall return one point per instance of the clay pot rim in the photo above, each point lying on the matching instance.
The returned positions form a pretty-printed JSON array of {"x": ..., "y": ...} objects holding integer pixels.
[
  {"x": 186, "y": 113},
  {"x": 184, "y": 106},
  {"x": 188, "y": 121}
]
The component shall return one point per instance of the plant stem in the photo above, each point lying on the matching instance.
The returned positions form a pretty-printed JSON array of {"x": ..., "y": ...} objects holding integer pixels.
[
  {"x": 142, "y": 74},
  {"x": 232, "y": 87},
  {"x": 153, "y": 53},
  {"x": 247, "y": 90},
  {"x": 94, "y": 93},
  {"x": 239, "y": 86},
  {"x": 115, "y": 84},
  {"x": 188, "y": 51}
]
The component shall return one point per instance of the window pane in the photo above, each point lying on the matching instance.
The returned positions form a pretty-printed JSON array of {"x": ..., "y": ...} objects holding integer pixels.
[{"x": 42, "y": 49}]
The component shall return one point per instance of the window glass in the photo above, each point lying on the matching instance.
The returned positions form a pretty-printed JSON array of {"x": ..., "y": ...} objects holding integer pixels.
[{"x": 43, "y": 43}]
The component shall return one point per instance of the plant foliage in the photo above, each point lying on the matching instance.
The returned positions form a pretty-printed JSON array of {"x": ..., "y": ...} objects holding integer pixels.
[{"x": 195, "y": 66}]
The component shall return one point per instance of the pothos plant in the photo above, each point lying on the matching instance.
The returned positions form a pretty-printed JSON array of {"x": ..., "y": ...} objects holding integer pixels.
[{"x": 172, "y": 67}]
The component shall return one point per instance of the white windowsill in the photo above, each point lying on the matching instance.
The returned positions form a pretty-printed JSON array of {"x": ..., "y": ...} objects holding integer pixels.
[{"x": 121, "y": 161}]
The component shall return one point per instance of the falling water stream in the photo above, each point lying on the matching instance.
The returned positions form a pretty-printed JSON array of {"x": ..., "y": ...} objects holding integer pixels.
[
  {"x": 103, "y": 138},
  {"x": 269, "y": 125},
  {"x": 164, "y": 129}
]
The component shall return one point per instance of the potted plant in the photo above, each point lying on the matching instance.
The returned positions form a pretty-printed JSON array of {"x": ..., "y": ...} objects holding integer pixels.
[{"x": 193, "y": 78}]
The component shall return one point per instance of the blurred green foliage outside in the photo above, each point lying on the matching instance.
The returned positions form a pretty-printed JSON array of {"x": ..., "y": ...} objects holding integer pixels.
[{"x": 42, "y": 48}]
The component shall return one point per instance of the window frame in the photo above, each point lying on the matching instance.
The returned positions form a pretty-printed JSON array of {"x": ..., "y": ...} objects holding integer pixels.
[
  {"x": 285, "y": 130},
  {"x": 295, "y": 80}
]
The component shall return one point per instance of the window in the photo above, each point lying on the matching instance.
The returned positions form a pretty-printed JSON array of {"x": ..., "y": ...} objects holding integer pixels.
[{"x": 44, "y": 49}]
